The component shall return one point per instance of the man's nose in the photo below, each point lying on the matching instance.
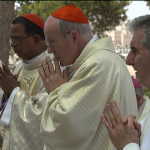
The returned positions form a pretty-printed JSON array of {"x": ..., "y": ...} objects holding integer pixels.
[
  {"x": 130, "y": 58},
  {"x": 12, "y": 44},
  {"x": 50, "y": 50}
]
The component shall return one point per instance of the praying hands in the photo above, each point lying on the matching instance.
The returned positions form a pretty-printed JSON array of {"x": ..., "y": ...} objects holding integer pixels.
[
  {"x": 51, "y": 74},
  {"x": 122, "y": 131},
  {"x": 8, "y": 81}
]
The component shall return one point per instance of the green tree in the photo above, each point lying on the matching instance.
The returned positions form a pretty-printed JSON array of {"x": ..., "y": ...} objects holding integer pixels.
[
  {"x": 146, "y": 91},
  {"x": 148, "y": 3},
  {"x": 103, "y": 15},
  {"x": 41, "y": 8}
]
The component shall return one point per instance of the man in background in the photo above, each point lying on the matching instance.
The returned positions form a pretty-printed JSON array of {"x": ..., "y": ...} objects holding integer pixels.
[
  {"x": 125, "y": 133},
  {"x": 23, "y": 94}
]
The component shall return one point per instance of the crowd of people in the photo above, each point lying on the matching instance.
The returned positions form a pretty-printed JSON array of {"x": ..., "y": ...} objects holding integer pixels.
[{"x": 56, "y": 97}]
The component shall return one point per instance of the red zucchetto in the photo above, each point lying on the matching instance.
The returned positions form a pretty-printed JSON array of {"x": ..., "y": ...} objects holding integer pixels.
[
  {"x": 35, "y": 19},
  {"x": 70, "y": 13}
]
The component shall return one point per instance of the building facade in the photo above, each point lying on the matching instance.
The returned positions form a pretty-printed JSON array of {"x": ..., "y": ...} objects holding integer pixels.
[{"x": 121, "y": 37}]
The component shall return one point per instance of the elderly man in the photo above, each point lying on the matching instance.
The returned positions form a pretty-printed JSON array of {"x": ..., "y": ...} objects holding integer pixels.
[
  {"x": 126, "y": 135},
  {"x": 143, "y": 101},
  {"x": 24, "y": 96},
  {"x": 71, "y": 120}
]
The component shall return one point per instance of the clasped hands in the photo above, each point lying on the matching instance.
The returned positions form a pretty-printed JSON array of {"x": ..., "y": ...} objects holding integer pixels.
[
  {"x": 122, "y": 130},
  {"x": 51, "y": 74},
  {"x": 8, "y": 81}
]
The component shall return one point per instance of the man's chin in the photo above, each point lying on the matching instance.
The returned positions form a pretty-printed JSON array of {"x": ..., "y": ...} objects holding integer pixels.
[{"x": 61, "y": 64}]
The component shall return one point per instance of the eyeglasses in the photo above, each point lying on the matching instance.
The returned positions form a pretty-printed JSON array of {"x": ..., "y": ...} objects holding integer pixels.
[
  {"x": 16, "y": 41},
  {"x": 52, "y": 45}
]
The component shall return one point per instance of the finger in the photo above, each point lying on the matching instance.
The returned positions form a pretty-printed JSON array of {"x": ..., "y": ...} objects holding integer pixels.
[
  {"x": 111, "y": 116},
  {"x": 116, "y": 111},
  {"x": 124, "y": 120},
  {"x": 65, "y": 75},
  {"x": 16, "y": 76},
  {"x": 1, "y": 77},
  {"x": 106, "y": 123},
  {"x": 57, "y": 66},
  {"x": 138, "y": 127},
  {"x": 6, "y": 69},
  {"x": 42, "y": 73},
  {"x": 131, "y": 118},
  {"x": 45, "y": 68},
  {"x": 50, "y": 65}
]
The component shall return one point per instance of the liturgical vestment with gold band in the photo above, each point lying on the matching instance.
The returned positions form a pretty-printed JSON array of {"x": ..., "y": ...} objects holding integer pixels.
[
  {"x": 23, "y": 132},
  {"x": 71, "y": 117}
]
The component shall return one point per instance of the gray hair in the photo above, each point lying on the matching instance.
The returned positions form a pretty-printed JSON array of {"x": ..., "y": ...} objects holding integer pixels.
[
  {"x": 142, "y": 23},
  {"x": 139, "y": 91},
  {"x": 67, "y": 26}
]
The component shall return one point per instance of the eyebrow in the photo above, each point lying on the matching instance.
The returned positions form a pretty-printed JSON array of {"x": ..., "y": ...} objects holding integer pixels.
[
  {"x": 15, "y": 36},
  {"x": 133, "y": 47}
]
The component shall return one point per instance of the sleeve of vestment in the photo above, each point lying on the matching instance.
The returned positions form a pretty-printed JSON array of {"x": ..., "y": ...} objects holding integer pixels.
[
  {"x": 71, "y": 119},
  {"x": 6, "y": 113},
  {"x": 26, "y": 107},
  {"x": 2, "y": 103},
  {"x": 25, "y": 118},
  {"x": 132, "y": 146},
  {"x": 2, "y": 129}
]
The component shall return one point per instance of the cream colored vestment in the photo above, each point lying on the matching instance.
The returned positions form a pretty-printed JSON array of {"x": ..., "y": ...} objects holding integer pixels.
[
  {"x": 71, "y": 118},
  {"x": 23, "y": 132},
  {"x": 144, "y": 109}
]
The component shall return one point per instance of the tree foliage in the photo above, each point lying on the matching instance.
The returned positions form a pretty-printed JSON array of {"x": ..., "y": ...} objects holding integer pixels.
[
  {"x": 103, "y": 15},
  {"x": 148, "y": 3},
  {"x": 146, "y": 91}
]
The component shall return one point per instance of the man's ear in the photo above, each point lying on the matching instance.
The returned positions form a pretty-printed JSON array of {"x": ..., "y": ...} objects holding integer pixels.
[
  {"x": 37, "y": 39},
  {"x": 139, "y": 100},
  {"x": 75, "y": 36},
  {"x": 138, "y": 97}
]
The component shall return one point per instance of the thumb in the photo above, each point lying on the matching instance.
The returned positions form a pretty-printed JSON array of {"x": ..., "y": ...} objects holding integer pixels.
[
  {"x": 124, "y": 120},
  {"x": 138, "y": 127}
]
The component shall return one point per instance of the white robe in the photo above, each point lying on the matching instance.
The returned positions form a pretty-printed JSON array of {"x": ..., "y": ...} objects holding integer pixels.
[{"x": 144, "y": 109}]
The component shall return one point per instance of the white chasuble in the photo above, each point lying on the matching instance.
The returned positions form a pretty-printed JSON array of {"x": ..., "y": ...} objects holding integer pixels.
[{"x": 71, "y": 117}]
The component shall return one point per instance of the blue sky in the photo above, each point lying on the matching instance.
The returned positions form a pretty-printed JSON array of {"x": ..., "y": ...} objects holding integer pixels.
[{"x": 136, "y": 9}]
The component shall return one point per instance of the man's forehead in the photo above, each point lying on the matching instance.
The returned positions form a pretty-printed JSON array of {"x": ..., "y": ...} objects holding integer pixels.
[
  {"x": 51, "y": 28},
  {"x": 138, "y": 37},
  {"x": 17, "y": 30},
  {"x": 17, "y": 27},
  {"x": 51, "y": 22}
]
